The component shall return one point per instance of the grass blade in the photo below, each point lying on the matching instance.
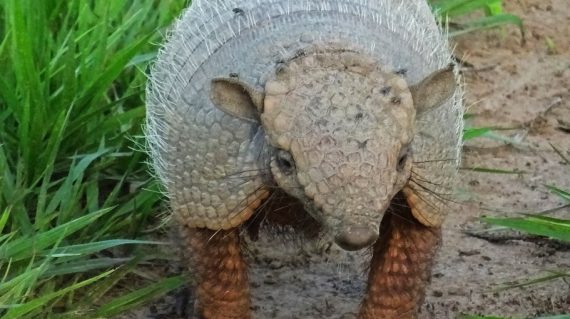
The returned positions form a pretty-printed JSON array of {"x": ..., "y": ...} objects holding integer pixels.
[
  {"x": 135, "y": 298},
  {"x": 26, "y": 247},
  {"x": 537, "y": 225},
  {"x": 83, "y": 265},
  {"x": 472, "y": 133},
  {"x": 493, "y": 170},
  {"x": 90, "y": 248},
  {"x": 488, "y": 23},
  {"x": 530, "y": 282},
  {"x": 560, "y": 192},
  {"x": 24, "y": 309}
]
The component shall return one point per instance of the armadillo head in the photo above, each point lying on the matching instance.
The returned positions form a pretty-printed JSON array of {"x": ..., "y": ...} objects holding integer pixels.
[{"x": 340, "y": 129}]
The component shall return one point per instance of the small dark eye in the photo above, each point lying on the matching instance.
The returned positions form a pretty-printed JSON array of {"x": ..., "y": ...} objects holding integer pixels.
[
  {"x": 285, "y": 162},
  {"x": 401, "y": 72},
  {"x": 403, "y": 158}
]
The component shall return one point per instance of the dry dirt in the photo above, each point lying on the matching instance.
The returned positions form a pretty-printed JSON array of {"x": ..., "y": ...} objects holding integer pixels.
[{"x": 524, "y": 88}]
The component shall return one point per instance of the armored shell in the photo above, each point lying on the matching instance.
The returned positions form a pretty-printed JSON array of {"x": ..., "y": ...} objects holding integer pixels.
[{"x": 212, "y": 163}]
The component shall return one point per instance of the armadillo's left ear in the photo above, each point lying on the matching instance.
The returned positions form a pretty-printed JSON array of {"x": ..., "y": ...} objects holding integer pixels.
[
  {"x": 434, "y": 90},
  {"x": 236, "y": 98}
]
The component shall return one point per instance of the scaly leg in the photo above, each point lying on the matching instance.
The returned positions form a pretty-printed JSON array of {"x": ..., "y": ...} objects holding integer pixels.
[
  {"x": 222, "y": 291},
  {"x": 400, "y": 266}
]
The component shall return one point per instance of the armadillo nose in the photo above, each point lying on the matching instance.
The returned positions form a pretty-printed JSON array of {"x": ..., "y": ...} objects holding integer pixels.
[{"x": 356, "y": 237}]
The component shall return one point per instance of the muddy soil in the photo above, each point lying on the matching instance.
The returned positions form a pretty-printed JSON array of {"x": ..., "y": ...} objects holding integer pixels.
[{"x": 522, "y": 88}]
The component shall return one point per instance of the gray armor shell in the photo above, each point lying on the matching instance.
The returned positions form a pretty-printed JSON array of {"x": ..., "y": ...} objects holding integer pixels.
[{"x": 209, "y": 161}]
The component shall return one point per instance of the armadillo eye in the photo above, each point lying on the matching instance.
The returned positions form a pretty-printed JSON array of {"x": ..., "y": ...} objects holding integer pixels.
[
  {"x": 285, "y": 162},
  {"x": 403, "y": 158}
]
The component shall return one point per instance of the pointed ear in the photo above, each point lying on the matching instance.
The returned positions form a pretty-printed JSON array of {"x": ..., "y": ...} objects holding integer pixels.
[
  {"x": 434, "y": 90},
  {"x": 237, "y": 98}
]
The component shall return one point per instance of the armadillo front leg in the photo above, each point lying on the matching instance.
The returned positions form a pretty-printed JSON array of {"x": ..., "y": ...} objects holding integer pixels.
[
  {"x": 222, "y": 288},
  {"x": 400, "y": 266}
]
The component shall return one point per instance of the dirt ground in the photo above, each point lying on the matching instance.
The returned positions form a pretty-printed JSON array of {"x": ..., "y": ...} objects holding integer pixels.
[{"x": 524, "y": 88}]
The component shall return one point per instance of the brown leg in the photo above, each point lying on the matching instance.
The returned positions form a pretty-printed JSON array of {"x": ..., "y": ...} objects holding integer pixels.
[
  {"x": 222, "y": 291},
  {"x": 400, "y": 267}
]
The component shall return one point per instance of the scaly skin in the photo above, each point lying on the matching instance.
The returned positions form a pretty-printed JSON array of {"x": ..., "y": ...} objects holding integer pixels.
[
  {"x": 400, "y": 267},
  {"x": 344, "y": 119},
  {"x": 209, "y": 161},
  {"x": 223, "y": 289}
]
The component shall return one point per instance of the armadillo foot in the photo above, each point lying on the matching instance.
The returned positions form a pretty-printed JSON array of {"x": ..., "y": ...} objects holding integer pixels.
[
  {"x": 400, "y": 266},
  {"x": 222, "y": 286}
]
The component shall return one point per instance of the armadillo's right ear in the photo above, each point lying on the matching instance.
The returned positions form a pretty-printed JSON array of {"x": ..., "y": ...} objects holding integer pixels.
[
  {"x": 434, "y": 90},
  {"x": 237, "y": 98}
]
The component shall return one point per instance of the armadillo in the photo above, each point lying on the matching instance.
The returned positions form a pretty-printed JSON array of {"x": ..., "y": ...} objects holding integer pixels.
[{"x": 350, "y": 108}]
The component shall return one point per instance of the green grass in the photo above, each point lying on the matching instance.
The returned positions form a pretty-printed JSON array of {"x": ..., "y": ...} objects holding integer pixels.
[
  {"x": 73, "y": 184},
  {"x": 540, "y": 225},
  {"x": 450, "y": 12},
  {"x": 77, "y": 204}
]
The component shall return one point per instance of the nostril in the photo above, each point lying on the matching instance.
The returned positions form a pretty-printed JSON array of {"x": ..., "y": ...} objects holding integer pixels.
[{"x": 356, "y": 237}]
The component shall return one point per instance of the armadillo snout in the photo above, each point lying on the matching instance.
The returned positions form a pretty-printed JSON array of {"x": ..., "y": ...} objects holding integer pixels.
[{"x": 356, "y": 237}]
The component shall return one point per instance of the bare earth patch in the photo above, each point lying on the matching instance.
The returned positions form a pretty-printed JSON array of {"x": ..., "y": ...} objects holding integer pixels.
[{"x": 510, "y": 85}]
